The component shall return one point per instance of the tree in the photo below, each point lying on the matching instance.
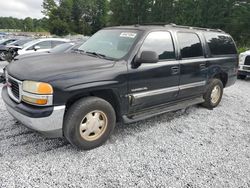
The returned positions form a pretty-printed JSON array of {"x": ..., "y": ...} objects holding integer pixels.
[
  {"x": 88, "y": 16},
  {"x": 28, "y": 24},
  {"x": 130, "y": 11},
  {"x": 48, "y": 7}
]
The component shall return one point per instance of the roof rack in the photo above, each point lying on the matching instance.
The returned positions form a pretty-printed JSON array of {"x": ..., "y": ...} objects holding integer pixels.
[
  {"x": 178, "y": 26},
  {"x": 152, "y": 24},
  {"x": 197, "y": 28}
]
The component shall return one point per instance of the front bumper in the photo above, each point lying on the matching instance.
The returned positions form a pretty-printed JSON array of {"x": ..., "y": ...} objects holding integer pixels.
[
  {"x": 48, "y": 121},
  {"x": 244, "y": 70}
]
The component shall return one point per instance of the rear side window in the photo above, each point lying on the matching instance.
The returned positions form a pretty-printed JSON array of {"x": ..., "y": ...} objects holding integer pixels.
[
  {"x": 45, "y": 45},
  {"x": 56, "y": 43},
  {"x": 190, "y": 45},
  {"x": 220, "y": 44},
  {"x": 160, "y": 42}
]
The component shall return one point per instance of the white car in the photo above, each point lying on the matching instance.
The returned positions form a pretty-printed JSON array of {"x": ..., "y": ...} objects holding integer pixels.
[
  {"x": 40, "y": 45},
  {"x": 244, "y": 65}
]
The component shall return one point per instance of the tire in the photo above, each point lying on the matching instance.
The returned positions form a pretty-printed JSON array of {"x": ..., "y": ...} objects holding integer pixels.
[
  {"x": 89, "y": 123},
  {"x": 241, "y": 77},
  {"x": 211, "y": 97}
]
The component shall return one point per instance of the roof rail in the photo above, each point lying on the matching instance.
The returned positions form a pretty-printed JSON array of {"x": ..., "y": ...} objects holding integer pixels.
[
  {"x": 153, "y": 24},
  {"x": 197, "y": 28}
]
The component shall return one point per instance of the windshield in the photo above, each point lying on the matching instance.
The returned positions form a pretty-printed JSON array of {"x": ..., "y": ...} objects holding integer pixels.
[
  {"x": 30, "y": 43},
  {"x": 21, "y": 42},
  {"x": 110, "y": 43}
]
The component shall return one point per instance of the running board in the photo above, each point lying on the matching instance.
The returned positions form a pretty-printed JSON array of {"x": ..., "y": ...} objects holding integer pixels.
[{"x": 131, "y": 118}]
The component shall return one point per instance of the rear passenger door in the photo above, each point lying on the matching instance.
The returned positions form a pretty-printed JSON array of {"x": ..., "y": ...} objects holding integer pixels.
[
  {"x": 193, "y": 71},
  {"x": 157, "y": 83}
]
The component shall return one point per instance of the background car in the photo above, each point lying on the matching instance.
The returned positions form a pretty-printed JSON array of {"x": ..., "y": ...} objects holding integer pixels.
[
  {"x": 244, "y": 65},
  {"x": 20, "y": 42},
  {"x": 9, "y": 49},
  {"x": 41, "y": 45},
  {"x": 62, "y": 48},
  {"x": 7, "y": 41}
]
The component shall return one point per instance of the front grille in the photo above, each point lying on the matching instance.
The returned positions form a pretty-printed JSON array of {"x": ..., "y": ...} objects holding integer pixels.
[
  {"x": 14, "y": 86},
  {"x": 247, "y": 60},
  {"x": 246, "y": 68}
]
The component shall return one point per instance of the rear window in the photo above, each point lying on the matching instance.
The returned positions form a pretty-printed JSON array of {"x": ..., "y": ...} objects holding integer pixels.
[{"x": 220, "y": 44}]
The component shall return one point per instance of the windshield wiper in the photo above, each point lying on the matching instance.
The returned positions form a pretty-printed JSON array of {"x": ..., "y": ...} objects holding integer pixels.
[
  {"x": 101, "y": 56},
  {"x": 77, "y": 51},
  {"x": 97, "y": 54}
]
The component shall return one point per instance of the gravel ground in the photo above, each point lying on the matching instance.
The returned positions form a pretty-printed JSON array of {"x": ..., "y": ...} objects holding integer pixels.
[{"x": 195, "y": 147}]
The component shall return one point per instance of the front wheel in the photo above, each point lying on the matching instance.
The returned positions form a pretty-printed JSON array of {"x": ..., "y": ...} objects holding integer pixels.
[
  {"x": 213, "y": 94},
  {"x": 89, "y": 123}
]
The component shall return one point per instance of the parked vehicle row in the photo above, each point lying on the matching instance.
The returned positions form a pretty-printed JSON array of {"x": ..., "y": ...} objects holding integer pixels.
[
  {"x": 125, "y": 74},
  {"x": 61, "y": 48},
  {"x": 12, "y": 48}
]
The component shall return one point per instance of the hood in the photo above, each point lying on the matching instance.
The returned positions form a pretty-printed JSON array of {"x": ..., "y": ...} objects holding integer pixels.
[
  {"x": 19, "y": 57},
  {"x": 48, "y": 67},
  {"x": 246, "y": 52}
]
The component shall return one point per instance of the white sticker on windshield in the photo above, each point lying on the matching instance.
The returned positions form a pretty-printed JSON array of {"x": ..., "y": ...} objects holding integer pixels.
[{"x": 128, "y": 35}]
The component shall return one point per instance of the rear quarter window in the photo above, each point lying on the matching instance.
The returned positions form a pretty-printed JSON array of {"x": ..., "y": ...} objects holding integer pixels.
[{"x": 220, "y": 44}]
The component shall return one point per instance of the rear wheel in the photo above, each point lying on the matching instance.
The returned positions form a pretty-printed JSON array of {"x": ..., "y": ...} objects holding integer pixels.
[
  {"x": 89, "y": 123},
  {"x": 214, "y": 94},
  {"x": 241, "y": 77}
]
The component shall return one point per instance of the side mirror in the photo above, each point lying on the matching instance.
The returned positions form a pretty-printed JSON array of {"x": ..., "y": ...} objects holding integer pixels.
[
  {"x": 37, "y": 48},
  {"x": 148, "y": 57}
]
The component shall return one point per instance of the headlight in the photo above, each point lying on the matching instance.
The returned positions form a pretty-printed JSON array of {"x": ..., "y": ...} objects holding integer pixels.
[
  {"x": 241, "y": 59},
  {"x": 37, "y": 93},
  {"x": 37, "y": 88}
]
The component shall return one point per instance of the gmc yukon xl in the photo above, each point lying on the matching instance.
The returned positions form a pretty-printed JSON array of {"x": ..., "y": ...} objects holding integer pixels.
[{"x": 126, "y": 73}]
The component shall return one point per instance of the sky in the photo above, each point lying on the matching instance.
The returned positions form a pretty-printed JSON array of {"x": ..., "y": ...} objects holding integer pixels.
[{"x": 21, "y": 8}]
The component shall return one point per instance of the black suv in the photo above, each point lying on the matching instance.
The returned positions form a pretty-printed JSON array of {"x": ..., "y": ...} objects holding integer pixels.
[{"x": 123, "y": 74}]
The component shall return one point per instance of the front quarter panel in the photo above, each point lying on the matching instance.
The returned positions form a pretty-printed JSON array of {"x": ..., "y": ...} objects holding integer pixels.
[{"x": 81, "y": 84}]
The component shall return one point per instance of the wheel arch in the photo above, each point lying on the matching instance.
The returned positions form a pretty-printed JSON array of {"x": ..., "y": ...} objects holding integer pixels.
[
  {"x": 218, "y": 73},
  {"x": 108, "y": 95}
]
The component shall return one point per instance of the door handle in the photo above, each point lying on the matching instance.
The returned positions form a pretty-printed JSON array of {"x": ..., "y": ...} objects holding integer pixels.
[
  {"x": 175, "y": 70},
  {"x": 203, "y": 66}
]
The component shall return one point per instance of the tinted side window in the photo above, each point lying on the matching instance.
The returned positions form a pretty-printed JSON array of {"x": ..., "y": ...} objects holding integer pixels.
[
  {"x": 160, "y": 42},
  {"x": 45, "y": 45},
  {"x": 220, "y": 44},
  {"x": 190, "y": 45},
  {"x": 56, "y": 43}
]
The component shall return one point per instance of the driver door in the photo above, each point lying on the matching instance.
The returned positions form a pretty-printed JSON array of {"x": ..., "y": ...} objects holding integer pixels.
[{"x": 157, "y": 83}]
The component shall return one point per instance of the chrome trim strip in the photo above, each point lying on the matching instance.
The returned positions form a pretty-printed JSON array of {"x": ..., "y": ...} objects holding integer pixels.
[
  {"x": 167, "y": 90},
  {"x": 155, "y": 92},
  {"x": 196, "y": 84}
]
